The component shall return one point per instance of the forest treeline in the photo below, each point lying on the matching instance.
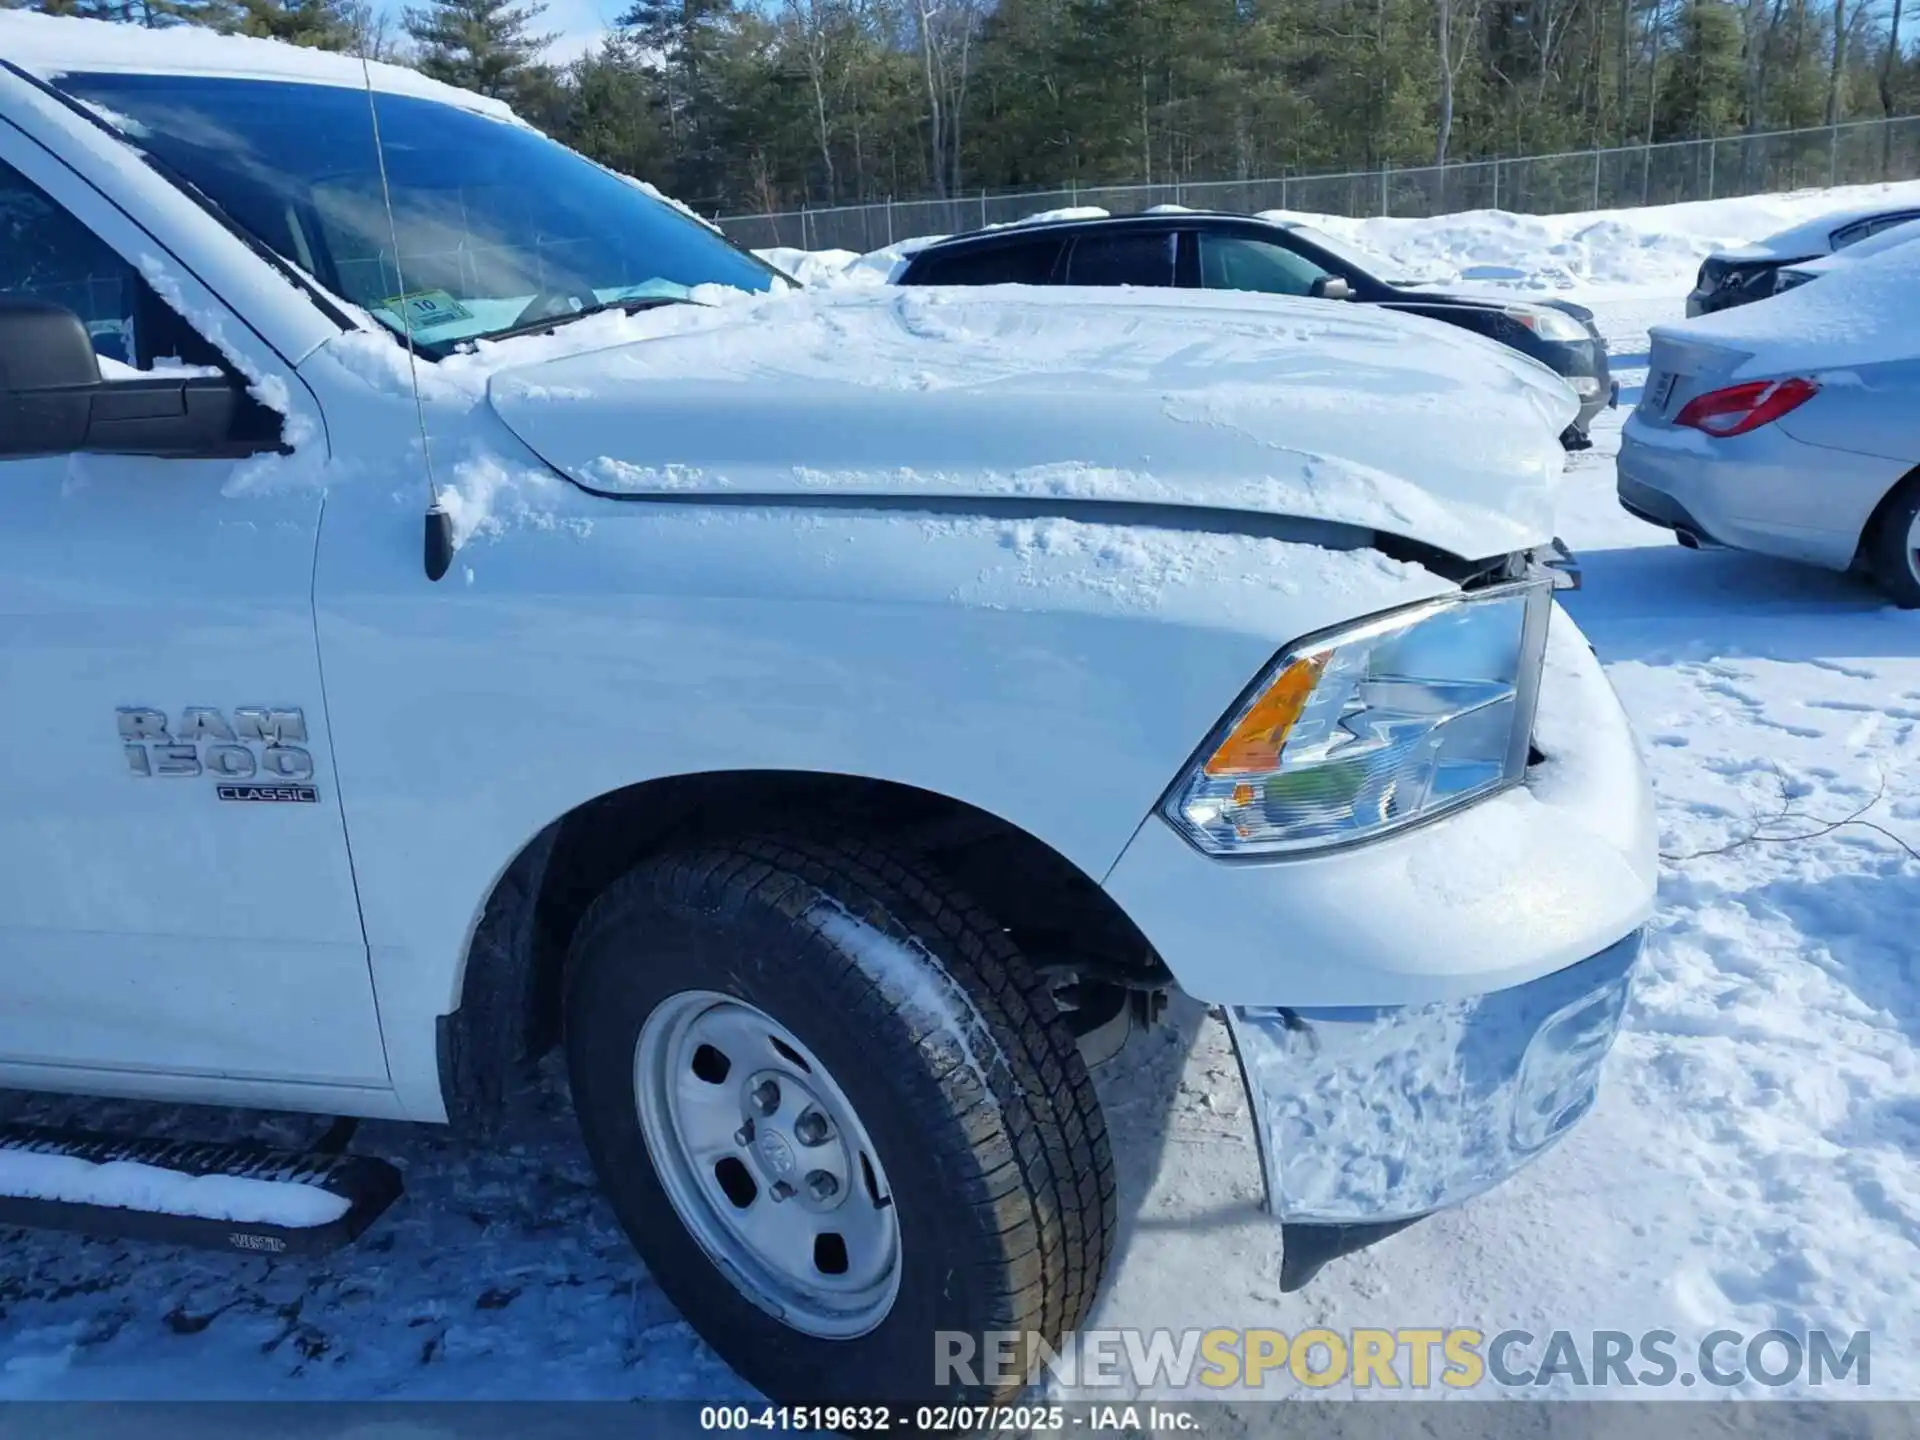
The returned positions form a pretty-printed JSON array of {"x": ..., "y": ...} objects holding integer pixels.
[{"x": 748, "y": 105}]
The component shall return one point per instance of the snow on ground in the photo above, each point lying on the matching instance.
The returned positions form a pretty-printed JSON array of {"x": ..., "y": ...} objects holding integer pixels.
[{"x": 1751, "y": 1163}]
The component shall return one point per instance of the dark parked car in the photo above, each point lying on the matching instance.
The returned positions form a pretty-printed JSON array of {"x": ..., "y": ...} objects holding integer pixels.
[
  {"x": 1752, "y": 272},
  {"x": 1203, "y": 250}
]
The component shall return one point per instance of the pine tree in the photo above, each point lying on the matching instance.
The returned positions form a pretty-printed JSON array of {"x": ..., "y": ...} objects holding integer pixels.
[
  {"x": 321, "y": 24},
  {"x": 680, "y": 45},
  {"x": 1703, "y": 94},
  {"x": 150, "y": 14},
  {"x": 482, "y": 45},
  {"x": 610, "y": 114}
]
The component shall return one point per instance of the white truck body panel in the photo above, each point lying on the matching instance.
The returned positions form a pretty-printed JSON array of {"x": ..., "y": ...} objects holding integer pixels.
[
  {"x": 811, "y": 556},
  {"x": 149, "y": 928}
]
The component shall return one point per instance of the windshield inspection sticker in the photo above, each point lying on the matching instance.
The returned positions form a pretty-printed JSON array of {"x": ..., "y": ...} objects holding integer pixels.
[{"x": 427, "y": 309}]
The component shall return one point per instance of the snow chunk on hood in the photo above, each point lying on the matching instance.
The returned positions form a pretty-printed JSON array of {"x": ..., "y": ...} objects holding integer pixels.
[{"x": 1297, "y": 408}]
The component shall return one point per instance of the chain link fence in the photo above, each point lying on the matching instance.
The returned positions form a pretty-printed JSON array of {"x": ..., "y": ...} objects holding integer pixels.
[{"x": 1861, "y": 152}]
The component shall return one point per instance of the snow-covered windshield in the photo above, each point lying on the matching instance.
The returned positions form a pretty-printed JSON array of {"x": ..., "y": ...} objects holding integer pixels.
[
  {"x": 1383, "y": 268},
  {"x": 498, "y": 226}
]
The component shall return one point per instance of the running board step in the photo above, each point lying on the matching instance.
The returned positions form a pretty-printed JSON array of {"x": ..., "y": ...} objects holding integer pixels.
[{"x": 222, "y": 1197}]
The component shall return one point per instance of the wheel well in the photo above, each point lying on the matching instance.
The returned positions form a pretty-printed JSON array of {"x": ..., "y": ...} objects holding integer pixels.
[
  {"x": 1887, "y": 501},
  {"x": 509, "y": 1012}
]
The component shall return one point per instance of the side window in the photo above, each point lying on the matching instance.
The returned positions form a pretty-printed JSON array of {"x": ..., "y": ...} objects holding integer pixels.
[
  {"x": 993, "y": 265},
  {"x": 1858, "y": 231},
  {"x": 1234, "y": 262},
  {"x": 1123, "y": 259},
  {"x": 1885, "y": 222},
  {"x": 47, "y": 254}
]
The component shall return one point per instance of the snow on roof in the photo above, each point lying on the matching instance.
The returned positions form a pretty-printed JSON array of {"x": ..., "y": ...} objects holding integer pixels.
[
  {"x": 1861, "y": 250},
  {"x": 1810, "y": 237},
  {"x": 1865, "y": 313},
  {"x": 47, "y": 46}
]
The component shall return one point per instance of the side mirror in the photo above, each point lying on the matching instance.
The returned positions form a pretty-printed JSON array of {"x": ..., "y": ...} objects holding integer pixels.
[
  {"x": 53, "y": 400},
  {"x": 48, "y": 378},
  {"x": 1331, "y": 287}
]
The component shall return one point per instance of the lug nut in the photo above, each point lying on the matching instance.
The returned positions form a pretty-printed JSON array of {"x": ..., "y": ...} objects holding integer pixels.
[
  {"x": 744, "y": 1135},
  {"x": 812, "y": 1128},
  {"x": 781, "y": 1191},
  {"x": 822, "y": 1186},
  {"x": 767, "y": 1096}
]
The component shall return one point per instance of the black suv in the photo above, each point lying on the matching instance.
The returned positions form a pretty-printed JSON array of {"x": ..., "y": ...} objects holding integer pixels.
[{"x": 1199, "y": 250}]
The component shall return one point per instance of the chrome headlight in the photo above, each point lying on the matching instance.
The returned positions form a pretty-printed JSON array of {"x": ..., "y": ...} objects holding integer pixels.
[
  {"x": 1362, "y": 730},
  {"x": 1548, "y": 323}
]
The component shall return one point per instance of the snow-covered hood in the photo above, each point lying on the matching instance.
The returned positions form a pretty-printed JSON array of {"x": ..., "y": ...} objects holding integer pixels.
[{"x": 1231, "y": 402}]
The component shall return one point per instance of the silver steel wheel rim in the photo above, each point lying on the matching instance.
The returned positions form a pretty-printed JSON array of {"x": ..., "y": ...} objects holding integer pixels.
[
  {"x": 767, "y": 1164},
  {"x": 1913, "y": 546}
]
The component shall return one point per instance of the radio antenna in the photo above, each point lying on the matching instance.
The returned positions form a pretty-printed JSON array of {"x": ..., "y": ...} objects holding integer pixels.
[{"x": 437, "y": 547}]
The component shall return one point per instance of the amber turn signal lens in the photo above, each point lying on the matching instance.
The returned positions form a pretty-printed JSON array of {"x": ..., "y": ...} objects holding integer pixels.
[{"x": 1253, "y": 746}]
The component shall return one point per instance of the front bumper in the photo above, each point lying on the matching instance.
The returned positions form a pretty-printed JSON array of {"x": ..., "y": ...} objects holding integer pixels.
[
  {"x": 1381, "y": 1114},
  {"x": 1419, "y": 1016}
]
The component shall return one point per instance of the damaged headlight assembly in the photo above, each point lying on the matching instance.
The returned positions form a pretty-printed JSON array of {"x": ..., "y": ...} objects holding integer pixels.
[{"x": 1362, "y": 730}]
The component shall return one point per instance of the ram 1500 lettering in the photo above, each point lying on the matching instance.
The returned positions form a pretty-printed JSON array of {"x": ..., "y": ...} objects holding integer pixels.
[{"x": 830, "y": 717}]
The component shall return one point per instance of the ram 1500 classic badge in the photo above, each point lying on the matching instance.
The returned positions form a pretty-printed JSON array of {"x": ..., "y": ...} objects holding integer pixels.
[{"x": 261, "y": 756}]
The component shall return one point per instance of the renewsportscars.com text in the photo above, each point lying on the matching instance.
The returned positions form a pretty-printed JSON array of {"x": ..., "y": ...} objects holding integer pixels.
[{"x": 1409, "y": 1358}]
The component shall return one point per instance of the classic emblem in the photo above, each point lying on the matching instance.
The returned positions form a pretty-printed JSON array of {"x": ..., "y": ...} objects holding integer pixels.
[{"x": 260, "y": 755}]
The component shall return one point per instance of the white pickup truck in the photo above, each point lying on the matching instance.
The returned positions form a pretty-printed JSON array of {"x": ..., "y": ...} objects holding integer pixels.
[{"x": 831, "y": 717}]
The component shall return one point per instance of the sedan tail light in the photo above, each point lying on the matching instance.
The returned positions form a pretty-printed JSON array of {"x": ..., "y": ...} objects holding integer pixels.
[{"x": 1740, "y": 408}]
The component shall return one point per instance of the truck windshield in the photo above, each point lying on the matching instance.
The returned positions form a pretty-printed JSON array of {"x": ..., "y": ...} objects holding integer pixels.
[{"x": 498, "y": 226}]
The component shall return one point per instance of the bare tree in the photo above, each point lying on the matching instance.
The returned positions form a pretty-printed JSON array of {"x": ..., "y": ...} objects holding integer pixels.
[
  {"x": 1887, "y": 63},
  {"x": 1450, "y": 67},
  {"x": 374, "y": 33},
  {"x": 1626, "y": 66},
  {"x": 924, "y": 13},
  {"x": 813, "y": 23},
  {"x": 946, "y": 32},
  {"x": 1839, "y": 60}
]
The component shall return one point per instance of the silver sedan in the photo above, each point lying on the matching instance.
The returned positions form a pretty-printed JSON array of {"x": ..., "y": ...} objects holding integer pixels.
[{"x": 1791, "y": 427}]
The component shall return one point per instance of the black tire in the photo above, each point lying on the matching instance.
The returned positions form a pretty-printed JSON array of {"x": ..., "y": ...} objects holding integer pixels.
[
  {"x": 1889, "y": 557},
  {"x": 996, "y": 1154}
]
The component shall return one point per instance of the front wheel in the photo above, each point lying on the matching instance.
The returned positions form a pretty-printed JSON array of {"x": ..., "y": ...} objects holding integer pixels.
[
  {"x": 1893, "y": 549},
  {"x": 836, "y": 1112}
]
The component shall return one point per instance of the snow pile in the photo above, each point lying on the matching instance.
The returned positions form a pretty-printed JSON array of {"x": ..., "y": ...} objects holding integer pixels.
[
  {"x": 1653, "y": 250},
  {"x": 127, "y": 1185},
  {"x": 824, "y": 267},
  {"x": 1864, "y": 313},
  {"x": 1656, "y": 250}
]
